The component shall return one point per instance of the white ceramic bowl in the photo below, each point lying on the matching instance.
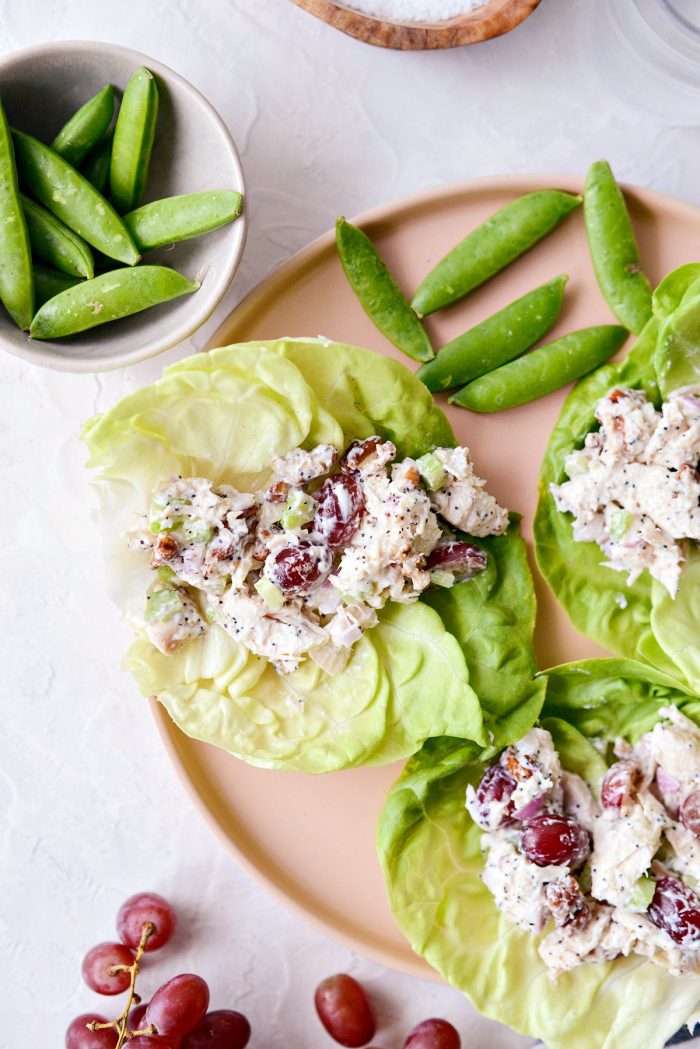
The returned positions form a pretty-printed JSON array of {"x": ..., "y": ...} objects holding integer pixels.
[{"x": 40, "y": 88}]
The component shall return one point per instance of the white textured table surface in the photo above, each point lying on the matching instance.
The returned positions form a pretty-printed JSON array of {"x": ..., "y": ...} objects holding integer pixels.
[{"x": 91, "y": 810}]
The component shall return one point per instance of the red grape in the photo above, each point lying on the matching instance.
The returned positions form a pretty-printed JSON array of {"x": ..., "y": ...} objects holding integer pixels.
[
  {"x": 99, "y": 960},
  {"x": 433, "y": 1034},
  {"x": 554, "y": 839},
  {"x": 145, "y": 907},
  {"x": 221, "y": 1029},
  {"x": 136, "y": 1019},
  {"x": 79, "y": 1037},
  {"x": 690, "y": 813},
  {"x": 344, "y": 1010},
  {"x": 340, "y": 504},
  {"x": 619, "y": 784},
  {"x": 496, "y": 785},
  {"x": 464, "y": 559},
  {"x": 152, "y": 1041},
  {"x": 295, "y": 569},
  {"x": 178, "y": 1006},
  {"x": 676, "y": 909}
]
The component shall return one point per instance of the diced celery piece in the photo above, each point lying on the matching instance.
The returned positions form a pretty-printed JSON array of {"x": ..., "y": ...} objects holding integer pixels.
[
  {"x": 166, "y": 573},
  {"x": 445, "y": 579},
  {"x": 619, "y": 523},
  {"x": 432, "y": 471},
  {"x": 162, "y": 526},
  {"x": 271, "y": 594},
  {"x": 576, "y": 464},
  {"x": 300, "y": 509},
  {"x": 642, "y": 895},
  {"x": 197, "y": 531},
  {"x": 585, "y": 878},
  {"x": 163, "y": 604}
]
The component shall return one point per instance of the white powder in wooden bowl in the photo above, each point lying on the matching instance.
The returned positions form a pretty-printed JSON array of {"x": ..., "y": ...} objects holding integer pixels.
[{"x": 414, "y": 10}]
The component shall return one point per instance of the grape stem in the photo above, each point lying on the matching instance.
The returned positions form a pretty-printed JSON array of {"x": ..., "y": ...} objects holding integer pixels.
[{"x": 120, "y": 1024}]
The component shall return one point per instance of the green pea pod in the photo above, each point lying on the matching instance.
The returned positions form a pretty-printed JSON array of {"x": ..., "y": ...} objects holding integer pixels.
[
  {"x": 492, "y": 246},
  {"x": 49, "y": 282},
  {"x": 379, "y": 294},
  {"x": 16, "y": 283},
  {"x": 55, "y": 243},
  {"x": 542, "y": 370},
  {"x": 108, "y": 297},
  {"x": 69, "y": 196},
  {"x": 133, "y": 140},
  {"x": 96, "y": 166},
  {"x": 614, "y": 250},
  {"x": 180, "y": 218},
  {"x": 85, "y": 128},
  {"x": 496, "y": 340}
]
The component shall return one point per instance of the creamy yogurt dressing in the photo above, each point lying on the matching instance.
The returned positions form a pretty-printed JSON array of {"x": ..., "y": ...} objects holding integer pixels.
[
  {"x": 301, "y": 567},
  {"x": 631, "y": 889},
  {"x": 634, "y": 488}
]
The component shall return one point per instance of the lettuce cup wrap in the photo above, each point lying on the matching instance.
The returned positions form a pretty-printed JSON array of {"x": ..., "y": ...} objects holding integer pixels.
[
  {"x": 556, "y": 882},
  {"x": 316, "y": 576},
  {"x": 618, "y": 519}
]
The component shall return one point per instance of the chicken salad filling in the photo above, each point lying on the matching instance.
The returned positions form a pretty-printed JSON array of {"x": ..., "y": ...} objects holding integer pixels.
[
  {"x": 604, "y": 873},
  {"x": 301, "y": 567},
  {"x": 634, "y": 487}
]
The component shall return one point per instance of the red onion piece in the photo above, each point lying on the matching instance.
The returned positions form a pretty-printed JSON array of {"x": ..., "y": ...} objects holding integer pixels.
[{"x": 531, "y": 809}]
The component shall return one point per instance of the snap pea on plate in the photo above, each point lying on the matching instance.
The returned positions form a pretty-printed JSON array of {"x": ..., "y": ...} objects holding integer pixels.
[
  {"x": 542, "y": 370},
  {"x": 118, "y": 293},
  {"x": 491, "y": 246},
  {"x": 379, "y": 294},
  {"x": 85, "y": 128},
  {"x": 496, "y": 340},
  {"x": 614, "y": 250}
]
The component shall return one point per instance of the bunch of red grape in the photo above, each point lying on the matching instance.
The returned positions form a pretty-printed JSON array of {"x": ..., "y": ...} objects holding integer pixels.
[
  {"x": 345, "y": 1011},
  {"x": 176, "y": 1016}
]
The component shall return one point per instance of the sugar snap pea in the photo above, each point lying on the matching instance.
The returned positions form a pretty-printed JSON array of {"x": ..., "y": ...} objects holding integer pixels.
[
  {"x": 497, "y": 339},
  {"x": 16, "y": 282},
  {"x": 96, "y": 165},
  {"x": 179, "y": 218},
  {"x": 614, "y": 250},
  {"x": 379, "y": 294},
  {"x": 542, "y": 370},
  {"x": 49, "y": 282},
  {"x": 492, "y": 246},
  {"x": 133, "y": 140},
  {"x": 69, "y": 196},
  {"x": 108, "y": 297},
  {"x": 53, "y": 242},
  {"x": 85, "y": 128}
]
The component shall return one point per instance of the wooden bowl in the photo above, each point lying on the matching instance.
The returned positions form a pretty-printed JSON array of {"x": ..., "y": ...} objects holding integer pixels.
[{"x": 491, "y": 19}]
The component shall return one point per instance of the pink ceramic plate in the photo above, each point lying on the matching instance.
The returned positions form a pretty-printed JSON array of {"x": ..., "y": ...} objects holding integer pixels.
[{"x": 311, "y": 840}]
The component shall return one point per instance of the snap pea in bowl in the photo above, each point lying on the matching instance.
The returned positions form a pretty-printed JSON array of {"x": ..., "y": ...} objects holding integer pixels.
[{"x": 42, "y": 87}]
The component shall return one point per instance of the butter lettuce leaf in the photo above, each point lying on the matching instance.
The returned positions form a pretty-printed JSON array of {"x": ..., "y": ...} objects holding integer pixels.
[
  {"x": 224, "y": 415},
  {"x": 640, "y": 621},
  {"x": 430, "y": 853}
]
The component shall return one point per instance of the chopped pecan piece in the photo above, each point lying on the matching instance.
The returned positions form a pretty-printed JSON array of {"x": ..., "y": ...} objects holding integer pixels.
[
  {"x": 567, "y": 903},
  {"x": 165, "y": 549}
]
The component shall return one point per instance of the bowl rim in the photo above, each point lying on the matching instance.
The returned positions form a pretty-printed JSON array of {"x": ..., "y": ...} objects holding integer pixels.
[
  {"x": 35, "y": 352},
  {"x": 493, "y": 18}
]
